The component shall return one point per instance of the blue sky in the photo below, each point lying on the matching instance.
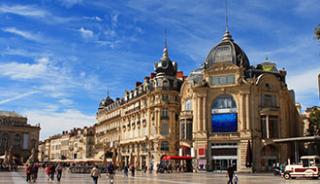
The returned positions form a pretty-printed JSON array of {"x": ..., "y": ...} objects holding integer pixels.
[{"x": 58, "y": 58}]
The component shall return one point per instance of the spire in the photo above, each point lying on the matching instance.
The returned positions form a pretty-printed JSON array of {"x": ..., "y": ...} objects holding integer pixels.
[
  {"x": 227, "y": 36},
  {"x": 226, "y": 6},
  {"x": 165, "y": 54}
]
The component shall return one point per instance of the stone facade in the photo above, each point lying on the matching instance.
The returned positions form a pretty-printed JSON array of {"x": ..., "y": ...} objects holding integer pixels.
[
  {"x": 17, "y": 135},
  {"x": 142, "y": 126},
  {"x": 231, "y": 112},
  {"x": 72, "y": 145}
]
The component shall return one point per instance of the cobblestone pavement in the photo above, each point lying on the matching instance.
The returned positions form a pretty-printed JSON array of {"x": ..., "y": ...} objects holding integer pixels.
[{"x": 175, "y": 178}]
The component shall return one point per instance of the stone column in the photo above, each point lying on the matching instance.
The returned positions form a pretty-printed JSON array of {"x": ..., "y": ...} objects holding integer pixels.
[
  {"x": 204, "y": 114},
  {"x": 199, "y": 114},
  {"x": 242, "y": 112},
  {"x": 195, "y": 113},
  {"x": 247, "y": 112}
]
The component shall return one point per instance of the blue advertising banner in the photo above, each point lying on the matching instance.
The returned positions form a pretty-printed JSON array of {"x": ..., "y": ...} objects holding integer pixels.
[{"x": 224, "y": 122}]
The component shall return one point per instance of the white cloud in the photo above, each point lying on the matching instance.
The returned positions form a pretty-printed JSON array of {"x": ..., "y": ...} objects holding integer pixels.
[
  {"x": 53, "y": 122},
  {"x": 16, "y": 70},
  {"x": 306, "y": 82},
  {"x": 86, "y": 33},
  {"x": 23, "y": 10},
  {"x": 24, "y": 34},
  {"x": 98, "y": 19},
  {"x": 70, "y": 3},
  {"x": 35, "y": 12},
  {"x": 17, "y": 97}
]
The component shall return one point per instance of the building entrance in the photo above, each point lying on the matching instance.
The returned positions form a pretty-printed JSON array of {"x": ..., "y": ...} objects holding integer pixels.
[
  {"x": 223, "y": 164},
  {"x": 224, "y": 155}
]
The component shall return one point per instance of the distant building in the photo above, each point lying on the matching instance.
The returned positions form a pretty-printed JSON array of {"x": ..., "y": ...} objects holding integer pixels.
[
  {"x": 17, "y": 135},
  {"x": 75, "y": 144}
]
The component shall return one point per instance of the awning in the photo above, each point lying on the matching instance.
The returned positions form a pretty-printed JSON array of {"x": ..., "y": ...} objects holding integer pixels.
[
  {"x": 298, "y": 139},
  {"x": 177, "y": 158}
]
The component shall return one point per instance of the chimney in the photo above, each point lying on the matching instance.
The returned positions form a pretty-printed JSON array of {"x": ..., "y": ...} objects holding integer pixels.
[
  {"x": 179, "y": 75},
  {"x": 138, "y": 84},
  {"x": 152, "y": 75}
]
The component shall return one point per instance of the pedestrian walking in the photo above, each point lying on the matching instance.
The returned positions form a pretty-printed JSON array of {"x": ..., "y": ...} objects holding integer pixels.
[
  {"x": 151, "y": 168},
  {"x": 125, "y": 170},
  {"x": 59, "y": 172},
  {"x": 28, "y": 173},
  {"x": 95, "y": 174},
  {"x": 133, "y": 170},
  {"x": 230, "y": 171},
  {"x": 47, "y": 171},
  {"x": 110, "y": 172},
  {"x": 52, "y": 171},
  {"x": 34, "y": 172}
]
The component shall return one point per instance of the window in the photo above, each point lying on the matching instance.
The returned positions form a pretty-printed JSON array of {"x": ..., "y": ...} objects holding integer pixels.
[
  {"x": 189, "y": 130},
  {"x": 273, "y": 127},
  {"x": 182, "y": 130},
  {"x": 186, "y": 130},
  {"x": 268, "y": 100},
  {"x": 224, "y": 102},
  {"x": 222, "y": 80},
  {"x": 223, "y": 54},
  {"x": 269, "y": 127},
  {"x": 164, "y": 130},
  {"x": 164, "y": 146},
  {"x": 164, "y": 114},
  {"x": 165, "y": 98},
  {"x": 188, "y": 105},
  {"x": 263, "y": 127}
]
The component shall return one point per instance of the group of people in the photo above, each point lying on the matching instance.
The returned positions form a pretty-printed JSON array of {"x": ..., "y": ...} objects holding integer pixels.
[
  {"x": 32, "y": 172},
  {"x": 52, "y": 169},
  {"x": 110, "y": 172}
]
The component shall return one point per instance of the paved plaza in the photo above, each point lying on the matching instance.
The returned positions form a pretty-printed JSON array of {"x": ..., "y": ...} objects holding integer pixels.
[{"x": 176, "y": 178}]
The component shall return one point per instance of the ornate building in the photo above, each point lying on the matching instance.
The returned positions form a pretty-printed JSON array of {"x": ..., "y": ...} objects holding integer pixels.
[
  {"x": 231, "y": 112},
  {"x": 142, "y": 126},
  {"x": 18, "y": 136}
]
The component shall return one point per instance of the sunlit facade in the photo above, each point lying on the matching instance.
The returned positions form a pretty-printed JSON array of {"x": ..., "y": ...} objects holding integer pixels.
[{"x": 231, "y": 112}]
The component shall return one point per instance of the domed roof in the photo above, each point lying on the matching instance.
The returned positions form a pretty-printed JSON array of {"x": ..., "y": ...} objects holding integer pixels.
[
  {"x": 165, "y": 66},
  {"x": 227, "y": 51},
  {"x": 105, "y": 102}
]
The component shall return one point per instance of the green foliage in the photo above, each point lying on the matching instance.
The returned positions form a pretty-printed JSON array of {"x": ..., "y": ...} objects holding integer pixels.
[{"x": 314, "y": 119}]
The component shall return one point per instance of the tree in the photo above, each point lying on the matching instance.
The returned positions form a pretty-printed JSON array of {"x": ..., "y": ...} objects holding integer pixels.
[
  {"x": 314, "y": 122},
  {"x": 317, "y": 32}
]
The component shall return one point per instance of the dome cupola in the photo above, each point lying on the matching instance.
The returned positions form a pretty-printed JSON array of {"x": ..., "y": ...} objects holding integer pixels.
[
  {"x": 227, "y": 51},
  {"x": 165, "y": 66}
]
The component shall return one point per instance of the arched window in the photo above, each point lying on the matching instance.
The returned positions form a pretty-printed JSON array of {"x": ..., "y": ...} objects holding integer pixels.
[
  {"x": 188, "y": 105},
  {"x": 224, "y": 114}
]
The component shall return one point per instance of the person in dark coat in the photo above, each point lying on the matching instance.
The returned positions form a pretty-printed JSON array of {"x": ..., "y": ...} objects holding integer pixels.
[
  {"x": 230, "y": 171},
  {"x": 126, "y": 170},
  {"x": 28, "y": 172},
  {"x": 59, "y": 172},
  {"x": 52, "y": 171},
  {"x": 132, "y": 170}
]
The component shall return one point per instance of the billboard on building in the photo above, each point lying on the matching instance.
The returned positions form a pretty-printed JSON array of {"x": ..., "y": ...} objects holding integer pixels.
[{"x": 224, "y": 122}]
